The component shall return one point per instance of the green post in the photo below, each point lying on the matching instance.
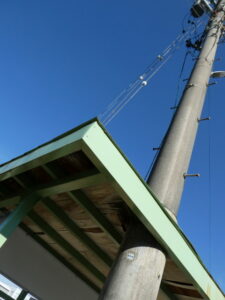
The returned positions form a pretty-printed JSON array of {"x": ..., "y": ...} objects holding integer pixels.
[{"x": 13, "y": 220}]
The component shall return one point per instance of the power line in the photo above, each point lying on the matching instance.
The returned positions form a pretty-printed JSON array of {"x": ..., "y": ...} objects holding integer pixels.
[
  {"x": 137, "y": 85},
  {"x": 179, "y": 79}
]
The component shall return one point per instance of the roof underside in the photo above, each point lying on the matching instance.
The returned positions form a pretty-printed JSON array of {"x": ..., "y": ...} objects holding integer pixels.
[{"x": 81, "y": 216}]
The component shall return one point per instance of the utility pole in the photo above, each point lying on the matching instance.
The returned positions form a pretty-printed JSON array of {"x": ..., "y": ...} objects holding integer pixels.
[{"x": 138, "y": 269}]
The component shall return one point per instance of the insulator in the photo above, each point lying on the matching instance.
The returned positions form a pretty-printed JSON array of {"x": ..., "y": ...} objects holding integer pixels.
[{"x": 144, "y": 83}]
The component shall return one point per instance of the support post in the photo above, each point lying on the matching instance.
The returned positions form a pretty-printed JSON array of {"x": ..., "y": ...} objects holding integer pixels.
[
  {"x": 13, "y": 220},
  {"x": 138, "y": 269}
]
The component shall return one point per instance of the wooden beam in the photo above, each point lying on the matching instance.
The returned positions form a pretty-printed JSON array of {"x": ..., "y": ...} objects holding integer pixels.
[
  {"x": 81, "y": 199},
  {"x": 76, "y": 230}
]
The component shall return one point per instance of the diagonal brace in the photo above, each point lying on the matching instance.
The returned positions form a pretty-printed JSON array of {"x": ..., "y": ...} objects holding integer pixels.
[{"x": 13, "y": 220}]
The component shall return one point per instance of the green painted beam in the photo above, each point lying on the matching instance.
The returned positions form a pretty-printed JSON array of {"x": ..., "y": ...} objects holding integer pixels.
[
  {"x": 76, "y": 230},
  {"x": 65, "y": 245},
  {"x": 81, "y": 199},
  {"x": 13, "y": 220},
  {"x": 5, "y": 296},
  {"x": 78, "y": 181},
  {"x": 22, "y": 295},
  {"x": 60, "y": 258},
  {"x": 10, "y": 201}
]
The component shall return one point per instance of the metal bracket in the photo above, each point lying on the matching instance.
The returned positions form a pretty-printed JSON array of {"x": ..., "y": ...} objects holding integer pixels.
[
  {"x": 191, "y": 175},
  {"x": 204, "y": 119}
]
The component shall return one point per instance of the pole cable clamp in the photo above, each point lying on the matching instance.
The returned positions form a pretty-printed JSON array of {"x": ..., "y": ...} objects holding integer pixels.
[
  {"x": 191, "y": 175},
  {"x": 204, "y": 119}
]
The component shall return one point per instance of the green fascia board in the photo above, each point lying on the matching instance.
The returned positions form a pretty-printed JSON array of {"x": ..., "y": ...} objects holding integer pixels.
[
  {"x": 148, "y": 209},
  {"x": 93, "y": 139},
  {"x": 50, "y": 151}
]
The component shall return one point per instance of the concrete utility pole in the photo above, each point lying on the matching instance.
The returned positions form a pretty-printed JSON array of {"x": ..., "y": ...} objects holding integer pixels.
[{"x": 138, "y": 270}]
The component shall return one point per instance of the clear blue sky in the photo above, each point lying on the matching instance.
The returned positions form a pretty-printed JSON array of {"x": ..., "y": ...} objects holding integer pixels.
[{"x": 62, "y": 62}]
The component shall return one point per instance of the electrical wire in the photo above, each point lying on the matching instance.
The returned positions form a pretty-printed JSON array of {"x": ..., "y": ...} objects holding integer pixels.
[
  {"x": 180, "y": 76},
  {"x": 128, "y": 94},
  {"x": 175, "y": 105}
]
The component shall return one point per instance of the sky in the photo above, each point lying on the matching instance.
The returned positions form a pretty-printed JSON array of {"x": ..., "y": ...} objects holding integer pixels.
[{"x": 63, "y": 62}]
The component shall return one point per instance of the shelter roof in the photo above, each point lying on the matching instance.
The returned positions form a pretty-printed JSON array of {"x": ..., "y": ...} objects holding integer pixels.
[{"x": 72, "y": 195}]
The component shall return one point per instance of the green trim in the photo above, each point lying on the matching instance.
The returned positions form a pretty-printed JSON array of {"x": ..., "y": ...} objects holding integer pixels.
[
  {"x": 22, "y": 295},
  {"x": 78, "y": 181},
  {"x": 13, "y": 220},
  {"x": 60, "y": 258},
  {"x": 58, "y": 147},
  {"x": 59, "y": 137},
  {"x": 76, "y": 230},
  {"x": 65, "y": 245},
  {"x": 5, "y": 296}
]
